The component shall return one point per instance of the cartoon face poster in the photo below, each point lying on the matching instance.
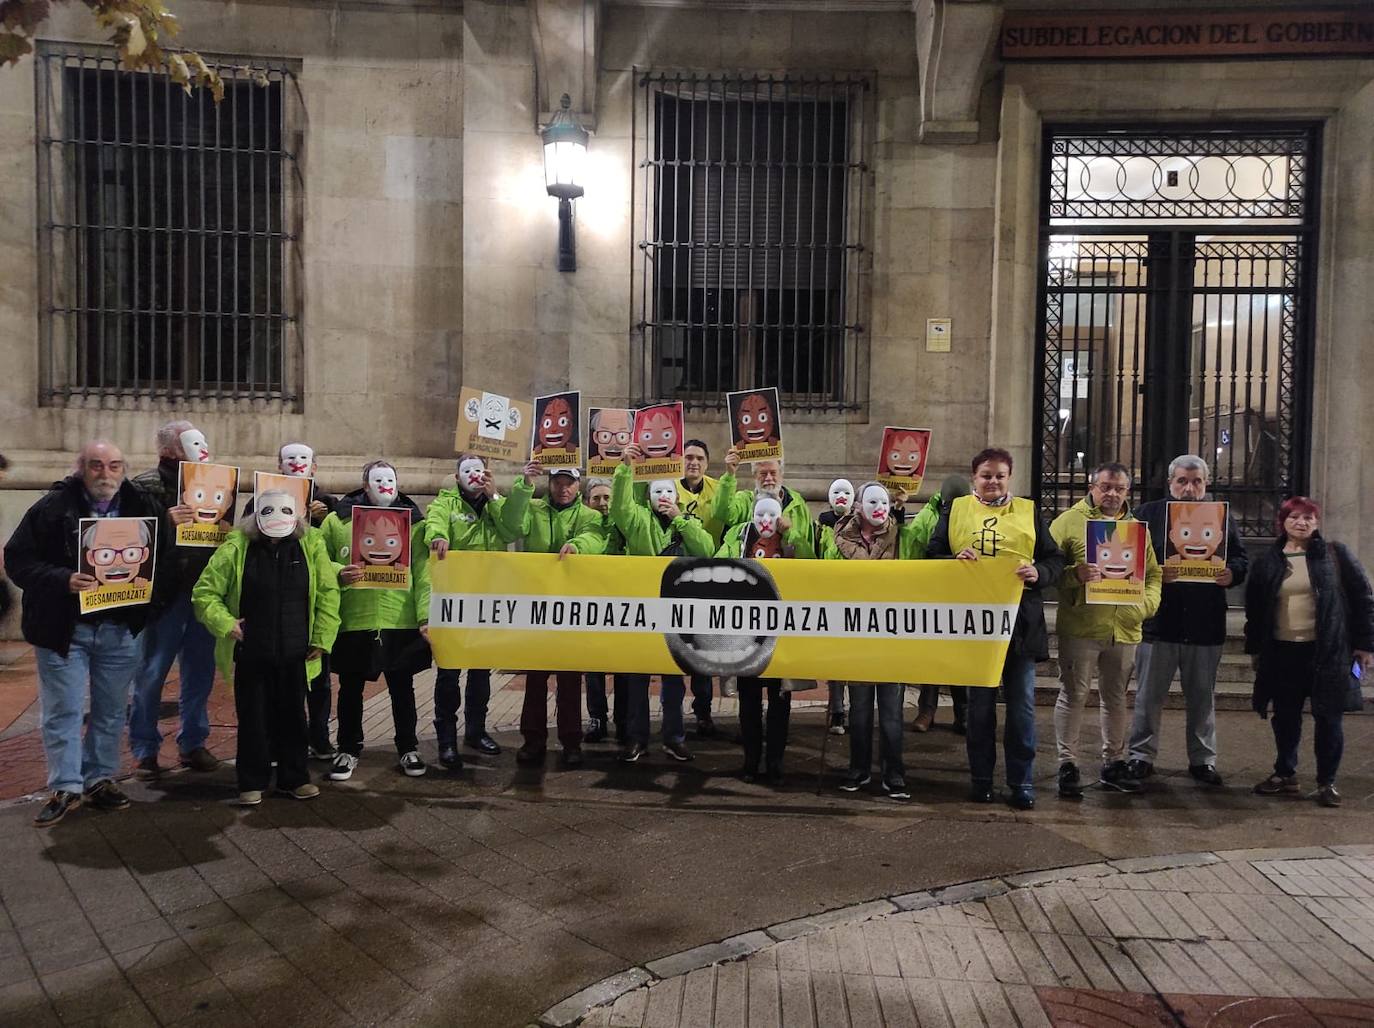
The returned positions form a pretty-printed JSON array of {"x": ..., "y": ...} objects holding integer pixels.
[
  {"x": 209, "y": 490},
  {"x": 381, "y": 547},
  {"x": 1195, "y": 540},
  {"x": 755, "y": 430},
  {"x": 658, "y": 431},
  {"x": 296, "y": 488},
  {"x": 556, "y": 438},
  {"x": 902, "y": 462},
  {"x": 492, "y": 425},
  {"x": 609, "y": 431},
  {"x": 119, "y": 554},
  {"x": 1117, "y": 549}
]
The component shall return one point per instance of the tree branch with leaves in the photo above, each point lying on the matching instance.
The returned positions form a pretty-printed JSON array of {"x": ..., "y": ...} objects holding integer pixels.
[{"x": 138, "y": 30}]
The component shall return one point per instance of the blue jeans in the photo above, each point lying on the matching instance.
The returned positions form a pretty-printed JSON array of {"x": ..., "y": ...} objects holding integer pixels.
[
  {"x": 672, "y": 690},
  {"x": 1018, "y": 736},
  {"x": 889, "y": 695},
  {"x": 175, "y": 632},
  {"x": 103, "y": 658}
]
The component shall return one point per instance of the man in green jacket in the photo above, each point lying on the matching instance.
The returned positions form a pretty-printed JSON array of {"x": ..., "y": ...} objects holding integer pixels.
[
  {"x": 465, "y": 518},
  {"x": 1099, "y": 638},
  {"x": 546, "y": 525},
  {"x": 597, "y": 495},
  {"x": 734, "y": 507}
]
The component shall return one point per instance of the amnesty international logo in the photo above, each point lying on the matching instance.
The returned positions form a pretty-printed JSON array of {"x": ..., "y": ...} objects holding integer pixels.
[{"x": 988, "y": 539}]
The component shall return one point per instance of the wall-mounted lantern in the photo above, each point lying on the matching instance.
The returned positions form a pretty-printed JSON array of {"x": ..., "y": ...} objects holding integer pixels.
[{"x": 565, "y": 155}]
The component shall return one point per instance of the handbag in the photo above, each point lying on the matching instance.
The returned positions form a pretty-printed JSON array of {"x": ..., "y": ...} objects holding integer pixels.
[{"x": 1354, "y": 695}]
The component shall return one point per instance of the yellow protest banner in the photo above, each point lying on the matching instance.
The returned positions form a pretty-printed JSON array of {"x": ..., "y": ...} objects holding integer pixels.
[{"x": 938, "y": 621}]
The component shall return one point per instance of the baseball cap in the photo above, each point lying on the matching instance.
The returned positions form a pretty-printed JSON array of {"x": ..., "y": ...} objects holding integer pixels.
[{"x": 573, "y": 473}]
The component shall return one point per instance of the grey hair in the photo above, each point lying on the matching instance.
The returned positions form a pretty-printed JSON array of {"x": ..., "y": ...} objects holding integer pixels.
[
  {"x": 169, "y": 435},
  {"x": 592, "y": 483},
  {"x": 1113, "y": 467},
  {"x": 145, "y": 537},
  {"x": 367, "y": 468},
  {"x": 1190, "y": 460},
  {"x": 250, "y": 525}
]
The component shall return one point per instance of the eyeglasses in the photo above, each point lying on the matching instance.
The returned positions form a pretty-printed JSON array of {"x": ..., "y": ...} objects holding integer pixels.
[{"x": 104, "y": 556}]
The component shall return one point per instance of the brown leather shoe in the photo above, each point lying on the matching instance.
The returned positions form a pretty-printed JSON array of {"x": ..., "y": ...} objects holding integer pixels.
[
  {"x": 200, "y": 760},
  {"x": 924, "y": 720}
]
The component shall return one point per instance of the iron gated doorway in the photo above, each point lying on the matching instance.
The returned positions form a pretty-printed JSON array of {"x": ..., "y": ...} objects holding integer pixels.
[{"x": 1175, "y": 310}]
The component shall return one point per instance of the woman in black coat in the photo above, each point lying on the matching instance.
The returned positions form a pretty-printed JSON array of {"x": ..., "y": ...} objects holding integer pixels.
[{"x": 1309, "y": 616}]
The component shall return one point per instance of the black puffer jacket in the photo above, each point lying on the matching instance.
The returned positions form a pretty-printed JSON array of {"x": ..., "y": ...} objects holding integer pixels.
[
  {"x": 42, "y": 555},
  {"x": 1345, "y": 620}
]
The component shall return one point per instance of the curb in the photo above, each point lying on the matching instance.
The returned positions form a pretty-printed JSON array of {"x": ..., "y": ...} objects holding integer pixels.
[{"x": 574, "y": 1008}]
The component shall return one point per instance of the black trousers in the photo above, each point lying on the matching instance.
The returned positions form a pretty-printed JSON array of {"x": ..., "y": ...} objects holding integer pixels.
[
  {"x": 701, "y": 696},
  {"x": 751, "y": 726},
  {"x": 596, "y": 697},
  {"x": 317, "y": 704},
  {"x": 400, "y": 687},
  {"x": 269, "y": 699},
  {"x": 448, "y": 700}
]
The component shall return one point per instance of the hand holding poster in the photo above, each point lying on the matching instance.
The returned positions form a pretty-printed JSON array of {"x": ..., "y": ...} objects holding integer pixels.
[
  {"x": 609, "y": 431},
  {"x": 658, "y": 433},
  {"x": 210, "y": 491},
  {"x": 755, "y": 429},
  {"x": 381, "y": 547},
  {"x": 119, "y": 554},
  {"x": 1195, "y": 540},
  {"x": 1117, "y": 550},
  {"x": 902, "y": 463},
  {"x": 556, "y": 439},
  {"x": 491, "y": 425}
]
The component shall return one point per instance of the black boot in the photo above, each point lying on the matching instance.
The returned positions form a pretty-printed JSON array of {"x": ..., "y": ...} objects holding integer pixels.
[{"x": 448, "y": 746}]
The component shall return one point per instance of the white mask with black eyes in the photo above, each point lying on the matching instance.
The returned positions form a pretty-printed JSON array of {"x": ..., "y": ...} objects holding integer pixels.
[
  {"x": 841, "y": 495},
  {"x": 876, "y": 506},
  {"x": 276, "y": 514},
  {"x": 381, "y": 486}
]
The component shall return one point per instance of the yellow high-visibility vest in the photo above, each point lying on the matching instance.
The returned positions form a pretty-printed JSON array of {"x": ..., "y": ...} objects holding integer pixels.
[{"x": 1007, "y": 531}]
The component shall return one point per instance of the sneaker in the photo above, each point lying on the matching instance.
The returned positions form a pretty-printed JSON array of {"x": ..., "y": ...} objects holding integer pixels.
[
  {"x": 1070, "y": 782},
  {"x": 411, "y": 764},
  {"x": 250, "y": 798},
  {"x": 925, "y": 720},
  {"x": 56, "y": 808},
  {"x": 596, "y": 730},
  {"x": 308, "y": 791},
  {"x": 1116, "y": 776},
  {"x": 855, "y": 781},
  {"x": 1139, "y": 769},
  {"x": 328, "y": 753},
  {"x": 1327, "y": 795},
  {"x": 1206, "y": 774},
  {"x": 636, "y": 752},
  {"x": 837, "y": 723},
  {"x": 1278, "y": 785},
  {"x": 706, "y": 728},
  {"x": 105, "y": 795},
  {"x": 200, "y": 759},
  {"x": 148, "y": 770},
  {"x": 344, "y": 766},
  {"x": 896, "y": 788},
  {"x": 677, "y": 751},
  {"x": 1021, "y": 799}
]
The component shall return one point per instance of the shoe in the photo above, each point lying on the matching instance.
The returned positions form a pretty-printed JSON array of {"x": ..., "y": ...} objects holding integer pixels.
[
  {"x": 1139, "y": 769},
  {"x": 448, "y": 756},
  {"x": 706, "y": 728},
  {"x": 633, "y": 753},
  {"x": 250, "y": 798},
  {"x": 837, "y": 723},
  {"x": 980, "y": 793},
  {"x": 344, "y": 766},
  {"x": 677, "y": 751},
  {"x": 1021, "y": 799},
  {"x": 749, "y": 774},
  {"x": 855, "y": 781},
  {"x": 105, "y": 795},
  {"x": 148, "y": 770},
  {"x": 1116, "y": 776},
  {"x": 1327, "y": 795},
  {"x": 959, "y": 728},
  {"x": 896, "y": 788},
  {"x": 59, "y": 803},
  {"x": 572, "y": 759},
  {"x": 1206, "y": 774},
  {"x": 200, "y": 759},
  {"x": 411, "y": 765},
  {"x": 530, "y": 754},
  {"x": 925, "y": 719},
  {"x": 775, "y": 777},
  {"x": 308, "y": 791},
  {"x": 1278, "y": 785},
  {"x": 1070, "y": 782},
  {"x": 596, "y": 730},
  {"x": 327, "y": 753},
  {"x": 483, "y": 744}
]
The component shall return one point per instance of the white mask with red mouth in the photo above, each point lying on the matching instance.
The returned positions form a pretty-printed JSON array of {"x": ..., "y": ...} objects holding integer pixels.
[
  {"x": 194, "y": 446},
  {"x": 297, "y": 460},
  {"x": 841, "y": 496},
  {"x": 875, "y": 506},
  {"x": 662, "y": 494},
  {"x": 471, "y": 472},
  {"x": 381, "y": 486},
  {"x": 767, "y": 515}
]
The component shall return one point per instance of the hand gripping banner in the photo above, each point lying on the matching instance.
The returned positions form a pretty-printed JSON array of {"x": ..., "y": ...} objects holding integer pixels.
[{"x": 943, "y": 622}]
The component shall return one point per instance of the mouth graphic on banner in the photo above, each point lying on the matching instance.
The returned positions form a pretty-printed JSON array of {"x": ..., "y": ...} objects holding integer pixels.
[{"x": 709, "y": 578}]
